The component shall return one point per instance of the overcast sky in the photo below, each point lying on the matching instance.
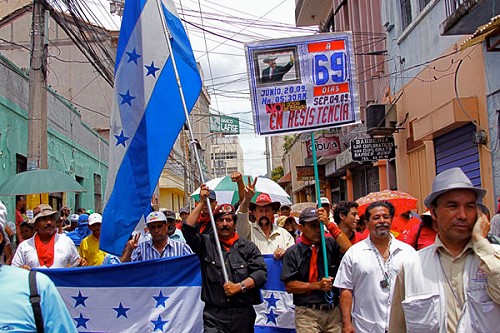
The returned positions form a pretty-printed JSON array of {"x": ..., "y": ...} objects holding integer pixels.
[
  {"x": 239, "y": 22},
  {"x": 228, "y": 24}
]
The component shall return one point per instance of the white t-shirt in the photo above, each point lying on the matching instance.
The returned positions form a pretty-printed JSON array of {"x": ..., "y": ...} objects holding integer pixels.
[
  {"x": 65, "y": 253},
  {"x": 360, "y": 272}
]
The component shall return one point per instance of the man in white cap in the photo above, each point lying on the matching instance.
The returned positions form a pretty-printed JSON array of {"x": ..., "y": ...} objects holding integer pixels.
[
  {"x": 47, "y": 248},
  {"x": 454, "y": 284},
  {"x": 89, "y": 247},
  {"x": 275, "y": 73},
  {"x": 159, "y": 246}
]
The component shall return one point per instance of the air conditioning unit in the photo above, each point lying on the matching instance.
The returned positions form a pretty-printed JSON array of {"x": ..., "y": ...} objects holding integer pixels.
[{"x": 380, "y": 119}]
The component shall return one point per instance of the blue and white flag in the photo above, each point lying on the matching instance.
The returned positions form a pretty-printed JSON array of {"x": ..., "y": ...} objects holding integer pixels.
[
  {"x": 276, "y": 314},
  {"x": 147, "y": 112},
  {"x": 160, "y": 295}
]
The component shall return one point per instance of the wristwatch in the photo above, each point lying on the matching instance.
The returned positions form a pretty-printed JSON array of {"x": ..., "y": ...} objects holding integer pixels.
[{"x": 243, "y": 287}]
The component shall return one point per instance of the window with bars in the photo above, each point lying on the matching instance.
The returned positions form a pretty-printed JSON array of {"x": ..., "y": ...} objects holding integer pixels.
[{"x": 405, "y": 13}]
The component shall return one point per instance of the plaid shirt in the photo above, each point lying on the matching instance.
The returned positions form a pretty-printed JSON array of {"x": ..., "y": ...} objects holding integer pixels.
[{"x": 146, "y": 250}]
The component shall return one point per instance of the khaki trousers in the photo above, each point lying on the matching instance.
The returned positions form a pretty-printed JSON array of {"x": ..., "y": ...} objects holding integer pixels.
[{"x": 317, "y": 321}]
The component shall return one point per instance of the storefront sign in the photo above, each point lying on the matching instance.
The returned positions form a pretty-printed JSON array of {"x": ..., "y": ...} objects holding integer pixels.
[
  {"x": 224, "y": 124},
  {"x": 373, "y": 149},
  {"x": 325, "y": 146},
  {"x": 307, "y": 172},
  {"x": 302, "y": 83}
]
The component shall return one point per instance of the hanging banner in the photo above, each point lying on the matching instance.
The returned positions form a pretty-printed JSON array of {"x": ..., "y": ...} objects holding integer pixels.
[{"x": 302, "y": 83}]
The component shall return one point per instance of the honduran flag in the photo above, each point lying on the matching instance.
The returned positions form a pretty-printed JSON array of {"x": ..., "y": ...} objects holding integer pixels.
[
  {"x": 158, "y": 296},
  {"x": 147, "y": 113}
]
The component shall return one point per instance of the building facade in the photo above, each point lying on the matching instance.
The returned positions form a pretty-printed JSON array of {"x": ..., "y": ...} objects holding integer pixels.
[
  {"x": 440, "y": 92},
  {"x": 73, "y": 147}
]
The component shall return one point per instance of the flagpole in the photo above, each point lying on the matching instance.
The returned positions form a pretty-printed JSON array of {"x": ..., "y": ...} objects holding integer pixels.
[
  {"x": 192, "y": 139},
  {"x": 328, "y": 295}
]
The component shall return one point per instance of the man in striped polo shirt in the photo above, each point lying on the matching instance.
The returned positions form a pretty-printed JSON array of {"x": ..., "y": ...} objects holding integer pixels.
[{"x": 158, "y": 246}]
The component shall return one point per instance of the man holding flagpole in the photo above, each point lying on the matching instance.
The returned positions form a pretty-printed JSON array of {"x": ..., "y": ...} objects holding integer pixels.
[
  {"x": 156, "y": 82},
  {"x": 228, "y": 305}
]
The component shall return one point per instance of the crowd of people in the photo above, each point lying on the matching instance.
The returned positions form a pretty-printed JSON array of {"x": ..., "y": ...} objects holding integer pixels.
[{"x": 442, "y": 276}]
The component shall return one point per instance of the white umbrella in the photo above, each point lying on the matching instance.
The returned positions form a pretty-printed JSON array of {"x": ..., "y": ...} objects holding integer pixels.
[{"x": 227, "y": 191}]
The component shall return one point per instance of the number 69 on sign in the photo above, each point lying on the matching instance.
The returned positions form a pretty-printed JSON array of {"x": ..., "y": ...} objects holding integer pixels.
[{"x": 322, "y": 64}]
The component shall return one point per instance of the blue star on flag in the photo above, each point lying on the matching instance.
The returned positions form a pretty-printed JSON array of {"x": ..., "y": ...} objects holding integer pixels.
[
  {"x": 160, "y": 299},
  {"x": 81, "y": 321},
  {"x": 151, "y": 69},
  {"x": 120, "y": 139},
  {"x": 80, "y": 299},
  {"x": 159, "y": 323},
  {"x": 133, "y": 56},
  {"x": 271, "y": 317},
  {"x": 121, "y": 311},
  {"x": 271, "y": 301},
  {"x": 127, "y": 98}
]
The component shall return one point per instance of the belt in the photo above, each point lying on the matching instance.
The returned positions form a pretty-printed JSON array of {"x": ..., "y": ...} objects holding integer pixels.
[{"x": 323, "y": 307}]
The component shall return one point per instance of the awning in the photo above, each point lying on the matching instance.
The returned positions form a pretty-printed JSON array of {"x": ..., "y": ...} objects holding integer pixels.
[
  {"x": 483, "y": 33},
  {"x": 286, "y": 178}
]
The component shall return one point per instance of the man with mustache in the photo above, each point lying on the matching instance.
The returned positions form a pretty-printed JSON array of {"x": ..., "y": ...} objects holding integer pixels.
[
  {"x": 47, "y": 248},
  {"x": 269, "y": 238},
  {"x": 368, "y": 272},
  {"x": 452, "y": 285},
  {"x": 158, "y": 245},
  {"x": 228, "y": 305},
  {"x": 17, "y": 314},
  {"x": 172, "y": 231}
]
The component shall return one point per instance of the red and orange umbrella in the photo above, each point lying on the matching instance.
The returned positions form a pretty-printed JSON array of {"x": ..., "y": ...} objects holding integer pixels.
[{"x": 402, "y": 201}]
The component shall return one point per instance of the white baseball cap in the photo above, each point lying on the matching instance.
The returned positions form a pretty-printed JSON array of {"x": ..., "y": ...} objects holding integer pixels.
[
  {"x": 95, "y": 218},
  {"x": 325, "y": 201}
]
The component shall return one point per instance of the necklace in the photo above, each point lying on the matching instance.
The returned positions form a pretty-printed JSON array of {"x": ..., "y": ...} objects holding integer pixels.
[
  {"x": 385, "y": 283},
  {"x": 385, "y": 269}
]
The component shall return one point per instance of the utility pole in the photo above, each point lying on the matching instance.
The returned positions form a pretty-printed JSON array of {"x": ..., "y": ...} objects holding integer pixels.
[
  {"x": 268, "y": 157},
  {"x": 37, "y": 108}
]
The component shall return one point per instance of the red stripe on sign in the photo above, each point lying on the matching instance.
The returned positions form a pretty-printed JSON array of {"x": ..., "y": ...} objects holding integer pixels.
[
  {"x": 326, "y": 46},
  {"x": 331, "y": 89}
]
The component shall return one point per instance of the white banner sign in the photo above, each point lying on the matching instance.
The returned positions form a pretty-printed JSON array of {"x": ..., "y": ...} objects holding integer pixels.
[{"x": 302, "y": 83}]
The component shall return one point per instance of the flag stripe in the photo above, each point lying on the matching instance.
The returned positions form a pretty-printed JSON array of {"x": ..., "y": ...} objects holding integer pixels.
[
  {"x": 139, "y": 274},
  {"x": 147, "y": 115}
]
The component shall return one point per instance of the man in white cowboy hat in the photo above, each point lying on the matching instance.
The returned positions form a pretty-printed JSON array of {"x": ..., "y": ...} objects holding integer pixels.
[
  {"x": 269, "y": 237},
  {"x": 275, "y": 73},
  {"x": 454, "y": 284},
  {"x": 47, "y": 248}
]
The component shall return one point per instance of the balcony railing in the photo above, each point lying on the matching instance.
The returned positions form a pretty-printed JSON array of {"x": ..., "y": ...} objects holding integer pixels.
[
  {"x": 451, "y": 6},
  {"x": 463, "y": 17}
]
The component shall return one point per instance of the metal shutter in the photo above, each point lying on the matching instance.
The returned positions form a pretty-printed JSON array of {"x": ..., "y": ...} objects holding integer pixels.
[
  {"x": 365, "y": 180},
  {"x": 456, "y": 149}
]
